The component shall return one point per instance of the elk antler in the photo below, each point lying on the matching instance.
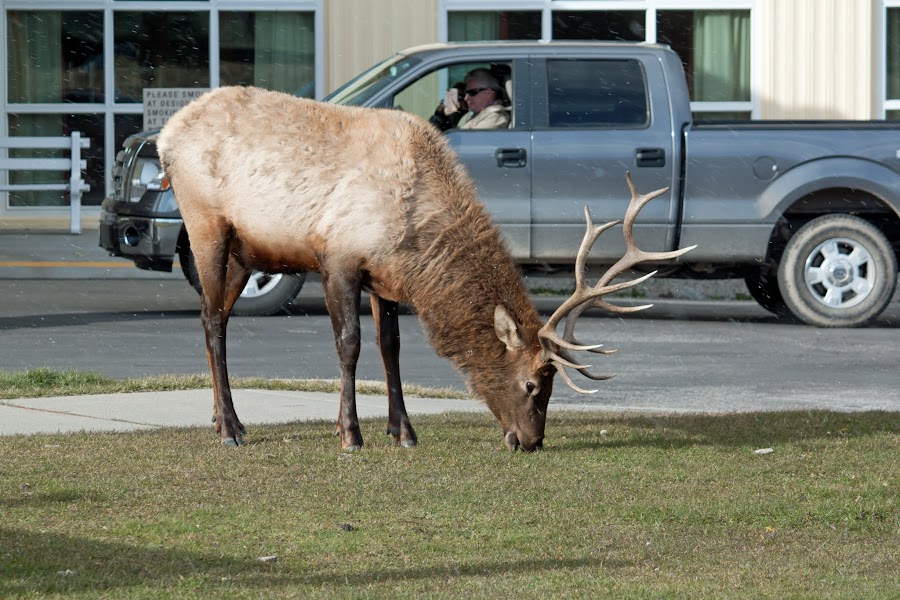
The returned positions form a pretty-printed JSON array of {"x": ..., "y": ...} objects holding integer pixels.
[{"x": 555, "y": 349}]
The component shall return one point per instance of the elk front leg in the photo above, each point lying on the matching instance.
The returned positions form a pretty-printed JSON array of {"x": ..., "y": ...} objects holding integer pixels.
[
  {"x": 221, "y": 288},
  {"x": 342, "y": 291},
  {"x": 387, "y": 325}
]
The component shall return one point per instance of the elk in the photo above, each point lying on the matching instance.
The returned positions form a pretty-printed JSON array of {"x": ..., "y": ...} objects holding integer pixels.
[{"x": 373, "y": 200}]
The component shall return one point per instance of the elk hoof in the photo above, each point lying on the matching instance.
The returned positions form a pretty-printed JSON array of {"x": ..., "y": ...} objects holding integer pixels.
[
  {"x": 232, "y": 442},
  {"x": 408, "y": 443},
  {"x": 352, "y": 448}
]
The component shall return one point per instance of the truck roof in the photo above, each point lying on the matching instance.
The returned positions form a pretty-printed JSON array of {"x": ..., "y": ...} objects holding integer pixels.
[{"x": 522, "y": 45}]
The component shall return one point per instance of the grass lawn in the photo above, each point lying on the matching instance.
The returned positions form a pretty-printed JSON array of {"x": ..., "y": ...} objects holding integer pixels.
[{"x": 616, "y": 506}]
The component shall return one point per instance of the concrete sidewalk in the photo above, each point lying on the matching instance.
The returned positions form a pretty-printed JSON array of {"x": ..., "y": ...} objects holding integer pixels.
[{"x": 193, "y": 408}]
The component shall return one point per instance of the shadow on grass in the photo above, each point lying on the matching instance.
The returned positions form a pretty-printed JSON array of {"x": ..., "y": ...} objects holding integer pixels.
[
  {"x": 52, "y": 563},
  {"x": 729, "y": 430},
  {"x": 442, "y": 573},
  {"x": 32, "y": 562}
]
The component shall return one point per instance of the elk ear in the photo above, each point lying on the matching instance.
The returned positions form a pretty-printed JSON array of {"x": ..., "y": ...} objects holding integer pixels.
[{"x": 506, "y": 329}]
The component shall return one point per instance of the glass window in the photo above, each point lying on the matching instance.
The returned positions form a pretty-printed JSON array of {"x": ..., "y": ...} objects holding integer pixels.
[
  {"x": 160, "y": 50},
  {"x": 714, "y": 46},
  {"x": 125, "y": 125},
  {"x": 364, "y": 86},
  {"x": 423, "y": 96},
  {"x": 892, "y": 58},
  {"x": 272, "y": 50},
  {"x": 55, "y": 56},
  {"x": 90, "y": 126},
  {"x": 608, "y": 25},
  {"x": 596, "y": 93},
  {"x": 466, "y": 26}
]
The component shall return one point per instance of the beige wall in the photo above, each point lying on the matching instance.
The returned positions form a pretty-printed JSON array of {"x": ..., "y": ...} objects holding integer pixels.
[
  {"x": 358, "y": 33},
  {"x": 817, "y": 59}
]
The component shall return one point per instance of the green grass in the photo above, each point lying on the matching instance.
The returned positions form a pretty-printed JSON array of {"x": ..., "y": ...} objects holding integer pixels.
[
  {"x": 45, "y": 382},
  {"x": 633, "y": 506}
]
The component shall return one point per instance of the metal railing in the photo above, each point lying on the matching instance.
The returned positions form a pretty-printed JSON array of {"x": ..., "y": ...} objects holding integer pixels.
[{"x": 74, "y": 164}]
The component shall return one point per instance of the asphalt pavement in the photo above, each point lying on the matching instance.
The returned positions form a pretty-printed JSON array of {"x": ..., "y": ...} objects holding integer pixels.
[{"x": 49, "y": 256}]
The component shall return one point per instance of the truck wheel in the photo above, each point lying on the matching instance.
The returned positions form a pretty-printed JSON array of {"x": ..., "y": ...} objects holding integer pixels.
[
  {"x": 763, "y": 287},
  {"x": 837, "y": 271},
  {"x": 265, "y": 294}
]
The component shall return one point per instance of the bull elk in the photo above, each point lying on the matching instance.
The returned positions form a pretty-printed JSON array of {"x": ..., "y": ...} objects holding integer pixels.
[{"x": 372, "y": 200}]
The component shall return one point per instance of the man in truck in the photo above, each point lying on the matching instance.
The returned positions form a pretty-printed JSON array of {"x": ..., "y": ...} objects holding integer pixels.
[{"x": 479, "y": 105}]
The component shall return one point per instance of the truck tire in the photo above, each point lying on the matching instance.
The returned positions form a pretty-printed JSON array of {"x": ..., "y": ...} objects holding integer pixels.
[
  {"x": 837, "y": 271},
  {"x": 265, "y": 294},
  {"x": 763, "y": 287}
]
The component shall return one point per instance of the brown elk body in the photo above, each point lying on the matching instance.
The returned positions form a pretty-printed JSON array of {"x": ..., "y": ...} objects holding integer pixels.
[{"x": 373, "y": 200}]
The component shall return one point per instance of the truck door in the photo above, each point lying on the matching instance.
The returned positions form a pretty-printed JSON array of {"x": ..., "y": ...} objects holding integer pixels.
[
  {"x": 499, "y": 160},
  {"x": 594, "y": 120}
]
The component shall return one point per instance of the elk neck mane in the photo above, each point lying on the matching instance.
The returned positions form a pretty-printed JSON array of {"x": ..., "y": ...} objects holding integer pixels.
[{"x": 459, "y": 270}]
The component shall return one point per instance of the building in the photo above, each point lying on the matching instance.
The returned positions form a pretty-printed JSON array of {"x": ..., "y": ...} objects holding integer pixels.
[{"x": 86, "y": 65}]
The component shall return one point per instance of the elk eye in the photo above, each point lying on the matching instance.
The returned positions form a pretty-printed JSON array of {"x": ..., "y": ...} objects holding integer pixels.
[{"x": 529, "y": 387}]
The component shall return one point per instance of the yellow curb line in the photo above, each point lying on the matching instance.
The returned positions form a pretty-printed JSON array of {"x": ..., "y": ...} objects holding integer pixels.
[{"x": 57, "y": 264}]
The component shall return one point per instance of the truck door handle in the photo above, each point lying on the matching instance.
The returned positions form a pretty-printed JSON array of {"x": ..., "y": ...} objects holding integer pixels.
[
  {"x": 511, "y": 158},
  {"x": 650, "y": 157}
]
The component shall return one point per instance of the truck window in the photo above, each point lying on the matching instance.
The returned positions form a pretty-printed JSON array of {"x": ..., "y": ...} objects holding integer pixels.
[
  {"x": 423, "y": 95},
  {"x": 597, "y": 93}
]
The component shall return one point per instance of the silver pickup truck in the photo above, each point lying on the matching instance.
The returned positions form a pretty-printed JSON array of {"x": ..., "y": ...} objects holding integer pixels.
[{"x": 807, "y": 213}]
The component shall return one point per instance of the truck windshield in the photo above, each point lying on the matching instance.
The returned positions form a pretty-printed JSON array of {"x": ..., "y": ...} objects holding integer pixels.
[{"x": 359, "y": 89}]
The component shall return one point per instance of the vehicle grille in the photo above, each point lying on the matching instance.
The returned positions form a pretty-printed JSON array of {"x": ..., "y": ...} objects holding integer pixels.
[
  {"x": 118, "y": 176},
  {"x": 124, "y": 162}
]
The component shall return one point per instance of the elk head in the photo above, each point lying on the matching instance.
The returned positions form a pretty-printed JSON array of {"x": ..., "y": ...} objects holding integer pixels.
[{"x": 542, "y": 352}]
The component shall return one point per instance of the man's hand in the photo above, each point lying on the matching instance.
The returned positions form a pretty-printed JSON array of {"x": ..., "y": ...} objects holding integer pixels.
[{"x": 451, "y": 101}]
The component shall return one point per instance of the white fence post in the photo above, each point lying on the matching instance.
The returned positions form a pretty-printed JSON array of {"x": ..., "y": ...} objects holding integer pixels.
[
  {"x": 75, "y": 184},
  {"x": 74, "y": 164}
]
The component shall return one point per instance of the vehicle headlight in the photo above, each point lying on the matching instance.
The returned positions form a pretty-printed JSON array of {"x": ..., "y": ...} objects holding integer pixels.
[
  {"x": 145, "y": 171},
  {"x": 160, "y": 183}
]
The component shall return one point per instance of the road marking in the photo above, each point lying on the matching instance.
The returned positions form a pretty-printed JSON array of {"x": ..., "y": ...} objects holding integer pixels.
[
  {"x": 46, "y": 263},
  {"x": 69, "y": 263}
]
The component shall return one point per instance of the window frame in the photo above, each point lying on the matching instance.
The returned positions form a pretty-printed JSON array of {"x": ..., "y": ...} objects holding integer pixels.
[
  {"x": 885, "y": 104},
  {"x": 109, "y": 108},
  {"x": 545, "y": 64}
]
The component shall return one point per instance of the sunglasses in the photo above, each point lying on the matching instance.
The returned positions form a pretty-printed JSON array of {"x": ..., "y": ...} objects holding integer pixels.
[{"x": 475, "y": 91}]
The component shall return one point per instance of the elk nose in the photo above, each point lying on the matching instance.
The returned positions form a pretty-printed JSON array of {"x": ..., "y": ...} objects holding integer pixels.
[
  {"x": 532, "y": 445},
  {"x": 513, "y": 442}
]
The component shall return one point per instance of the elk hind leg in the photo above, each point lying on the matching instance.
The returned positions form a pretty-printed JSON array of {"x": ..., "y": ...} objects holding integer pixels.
[
  {"x": 222, "y": 279},
  {"x": 342, "y": 297},
  {"x": 387, "y": 324}
]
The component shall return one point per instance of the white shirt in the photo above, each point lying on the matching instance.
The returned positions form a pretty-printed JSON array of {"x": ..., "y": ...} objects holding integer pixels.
[{"x": 494, "y": 116}]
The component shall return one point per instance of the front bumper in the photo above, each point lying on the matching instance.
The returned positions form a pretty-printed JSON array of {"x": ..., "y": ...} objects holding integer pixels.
[{"x": 151, "y": 242}]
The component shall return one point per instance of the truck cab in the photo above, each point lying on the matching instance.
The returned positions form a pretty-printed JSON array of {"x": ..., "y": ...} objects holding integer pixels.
[{"x": 582, "y": 115}]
